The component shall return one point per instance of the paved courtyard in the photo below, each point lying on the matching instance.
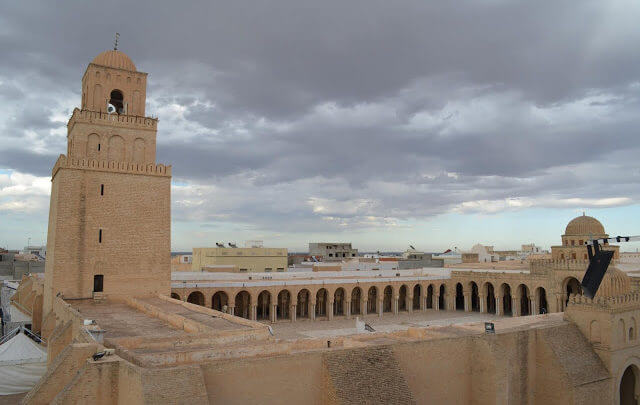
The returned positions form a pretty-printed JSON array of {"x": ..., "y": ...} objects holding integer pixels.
[{"x": 388, "y": 323}]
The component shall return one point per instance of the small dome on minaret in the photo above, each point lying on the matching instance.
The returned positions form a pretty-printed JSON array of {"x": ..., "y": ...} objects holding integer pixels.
[{"x": 115, "y": 59}]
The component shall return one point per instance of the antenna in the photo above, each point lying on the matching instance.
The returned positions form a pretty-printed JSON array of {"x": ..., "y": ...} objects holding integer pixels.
[{"x": 115, "y": 43}]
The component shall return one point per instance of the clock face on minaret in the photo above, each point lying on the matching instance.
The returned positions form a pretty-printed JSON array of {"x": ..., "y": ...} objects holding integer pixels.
[{"x": 109, "y": 218}]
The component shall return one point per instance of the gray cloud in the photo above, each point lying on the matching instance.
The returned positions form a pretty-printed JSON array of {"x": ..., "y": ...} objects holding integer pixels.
[{"x": 287, "y": 115}]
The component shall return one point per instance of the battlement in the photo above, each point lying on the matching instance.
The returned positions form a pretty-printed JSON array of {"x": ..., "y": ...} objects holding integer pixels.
[
  {"x": 610, "y": 304},
  {"x": 111, "y": 166},
  {"x": 542, "y": 265},
  {"x": 97, "y": 117}
]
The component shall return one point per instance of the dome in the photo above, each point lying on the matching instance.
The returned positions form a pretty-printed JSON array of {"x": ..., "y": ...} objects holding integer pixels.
[
  {"x": 614, "y": 283},
  {"x": 584, "y": 225},
  {"x": 114, "y": 59}
]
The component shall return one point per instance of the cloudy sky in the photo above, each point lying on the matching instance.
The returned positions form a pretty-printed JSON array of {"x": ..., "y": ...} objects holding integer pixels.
[{"x": 382, "y": 123}]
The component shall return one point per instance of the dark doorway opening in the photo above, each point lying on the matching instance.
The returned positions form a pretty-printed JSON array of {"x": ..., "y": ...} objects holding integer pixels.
[{"x": 98, "y": 283}]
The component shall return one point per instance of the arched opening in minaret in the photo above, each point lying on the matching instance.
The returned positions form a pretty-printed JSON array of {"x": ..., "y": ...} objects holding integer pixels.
[
  {"x": 629, "y": 386},
  {"x": 117, "y": 100}
]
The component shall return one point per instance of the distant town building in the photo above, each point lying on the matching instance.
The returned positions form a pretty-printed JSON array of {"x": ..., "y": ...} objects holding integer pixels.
[
  {"x": 14, "y": 265},
  {"x": 332, "y": 251},
  {"x": 181, "y": 261},
  {"x": 449, "y": 257},
  {"x": 485, "y": 253},
  {"x": 242, "y": 260},
  {"x": 39, "y": 251}
]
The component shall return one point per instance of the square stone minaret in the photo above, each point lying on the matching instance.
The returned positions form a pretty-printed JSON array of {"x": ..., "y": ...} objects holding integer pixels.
[{"x": 110, "y": 211}]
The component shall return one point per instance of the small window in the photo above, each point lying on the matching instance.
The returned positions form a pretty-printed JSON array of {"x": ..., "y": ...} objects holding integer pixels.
[
  {"x": 100, "y": 236},
  {"x": 101, "y": 189},
  {"x": 267, "y": 269},
  {"x": 280, "y": 269},
  {"x": 330, "y": 254},
  {"x": 243, "y": 270},
  {"x": 573, "y": 242},
  {"x": 98, "y": 281},
  {"x": 98, "y": 147}
]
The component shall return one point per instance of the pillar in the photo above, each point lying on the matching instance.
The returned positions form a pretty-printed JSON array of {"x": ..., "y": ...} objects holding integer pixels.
[
  {"x": 274, "y": 313},
  {"x": 423, "y": 301},
  {"x": 231, "y": 309},
  {"x": 330, "y": 310},
  {"x": 312, "y": 310},
  {"x": 409, "y": 304},
  {"x": 436, "y": 302},
  {"x": 380, "y": 309},
  {"x": 208, "y": 301},
  {"x": 363, "y": 306},
  {"x": 294, "y": 315},
  {"x": 394, "y": 305},
  {"x": 515, "y": 306},
  {"x": 347, "y": 308},
  {"x": 253, "y": 312},
  {"x": 483, "y": 304},
  {"x": 499, "y": 309},
  {"x": 533, "y": 305},
  {"x": 467, "y": 301}
]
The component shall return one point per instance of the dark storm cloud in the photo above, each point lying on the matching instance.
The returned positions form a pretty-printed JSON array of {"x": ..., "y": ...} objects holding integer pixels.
[{"x": 398, "y": 109}]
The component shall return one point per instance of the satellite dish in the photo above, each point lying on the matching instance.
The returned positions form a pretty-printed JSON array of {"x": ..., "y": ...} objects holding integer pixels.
[{"x": 111, "y": 108}]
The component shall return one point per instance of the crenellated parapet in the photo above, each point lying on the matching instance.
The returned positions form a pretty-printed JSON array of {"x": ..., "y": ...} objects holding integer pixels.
[
  {"x": 545, "y": 265},
  {"x": 151, "y": 169},
  {"x": 623, "y": 302},
  {"x": 112, "y": 120}
]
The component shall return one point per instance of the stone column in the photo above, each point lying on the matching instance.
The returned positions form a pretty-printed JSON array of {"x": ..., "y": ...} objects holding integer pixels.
[
  {"x": 467, "y": 301},
  {"x": 330, "y": 310},
  {"x": 380, "y": 309},
  {"x": 394, "y": 306},
  {"x": 483, "y": 304},
  {"x": 274, "y": 313},
  {"x": 515, "y": 306},
  {"x": 363, "y": 307},
  {"x": 347, "y": 308},
  {"x": 423, "y": 302},
  {"x": 253, "y": 312},
  {"x": 499, "y": 309},
  {"x": 293, "y": 312},
  {"x": 208, "y": 301},
  {"x": 409, "y": 303},
  {"x": 436, "y": 302},
  {"x": 231, "y": 309},
  {"x": 533, "y": 305},
  {"x": 312, "y": 311}
]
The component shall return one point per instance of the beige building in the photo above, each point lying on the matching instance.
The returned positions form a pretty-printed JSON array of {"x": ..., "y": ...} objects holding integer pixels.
[
  {"x": 133, "y": 344},
  {"x": 181, "y": 261},
  {"x": 242, "y": 260},
  {"x": 332, "y": 251}
]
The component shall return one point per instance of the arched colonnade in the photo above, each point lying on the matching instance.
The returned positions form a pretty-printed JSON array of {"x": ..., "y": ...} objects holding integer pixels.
[{"x": 358, "y": 299}]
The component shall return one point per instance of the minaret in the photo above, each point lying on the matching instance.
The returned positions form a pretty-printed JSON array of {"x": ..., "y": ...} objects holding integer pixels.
[{"x": 110, "y": 213}]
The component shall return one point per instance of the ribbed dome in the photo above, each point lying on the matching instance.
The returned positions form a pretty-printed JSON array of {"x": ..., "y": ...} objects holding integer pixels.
[
  {"x": 584, "y": 225},
  {"x": 114, "y": 59},
  {"x": 614, "y": 283}
]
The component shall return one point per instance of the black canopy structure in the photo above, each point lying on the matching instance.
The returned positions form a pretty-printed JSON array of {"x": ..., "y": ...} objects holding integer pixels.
[{"x": 599, "y": 261}]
